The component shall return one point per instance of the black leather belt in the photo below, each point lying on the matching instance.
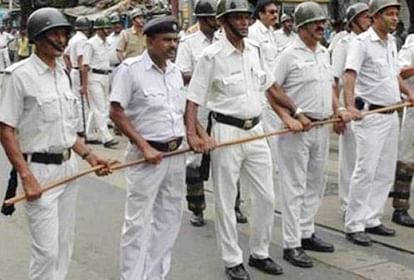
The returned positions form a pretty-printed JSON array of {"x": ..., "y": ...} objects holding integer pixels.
[
  {"x": 240, "y": 123},
  {"x": 360, "y": 104},
  {"x": 76, "y": 68},
  {"x": 101, "y": 72},
  {"x": 48, "y": 158},
  {"x": 316, "y": 120},
  {"x": 169, "y": 146}
]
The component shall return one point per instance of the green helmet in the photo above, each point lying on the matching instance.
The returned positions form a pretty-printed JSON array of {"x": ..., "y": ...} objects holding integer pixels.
[
  {"x": 115, "y": 18},
  {"x": 138, "y": 12},
  {"x": 354, "y": 10},
  {"x": 43, "y": 20},
  {"x": 225, "y": 7},
  {"x": 308, "y": 12},
  {"x": 285, "y": 17},
  {"x": 376, "y": 6},
  {"x": 82, "y": 23},
  {"x": 102, "y": 22},
  {"x": 205, "y": 8}
]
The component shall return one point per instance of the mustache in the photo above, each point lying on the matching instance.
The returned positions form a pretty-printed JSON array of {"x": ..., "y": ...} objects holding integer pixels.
[{"x": 320, "y": 29}]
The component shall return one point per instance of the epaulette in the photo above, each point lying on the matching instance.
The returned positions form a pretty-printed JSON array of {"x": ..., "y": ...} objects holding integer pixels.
[
  {"x": 187, "y": 37},
  {"x": 13, "y": 67},
  {"x": 212, "y": 50},
  {"x": 363, "y": 35},
  {"x": 252, "y": 42},
  {"x": 408, "y": 45},
  {"x": 132, "y": 60}
]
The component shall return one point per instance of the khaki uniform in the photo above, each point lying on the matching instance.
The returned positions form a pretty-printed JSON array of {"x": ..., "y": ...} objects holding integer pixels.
[{"x": 131, "y": 43}]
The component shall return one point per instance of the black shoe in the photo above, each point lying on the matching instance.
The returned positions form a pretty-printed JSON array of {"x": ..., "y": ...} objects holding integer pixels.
[
  {"x": 110, "y": 143},
  {"x": 237, "y": 272},
  {"x": 266, "y": 265},
  {"x": 402, "y": 217},
  {"x": 240, "y": 217},
  {"x": 359, "y": 238},
  {"x": 197, "y": 220},
  {"x": 314, "y": 243},
  {"x": 297, "y": 257},
  {"x": 381, "y": 230}
]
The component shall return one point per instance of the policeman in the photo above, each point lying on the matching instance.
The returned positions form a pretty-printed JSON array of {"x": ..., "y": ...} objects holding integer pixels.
[
  {"x": 5, "y": 40},
  {"x": 266, "y": 14},
  {"x": 36, "y": 100},
  {"x": 303, "y": 71},
  {"x": 229, "y": 80},
  {"x": 113, "y": 40},
  {"x": 75, "y": 52},
  {"x": 358, "y": 21},
  {"x": 285, "y": 35},
  {"x": 371, "y": 81},
  {"x": 132, "y": 41},
  {"x": 95, "y": 80},
  {"x": 189, "y": 51},
  {"x": 147, "y": 104},
  {"x": 405, "y": 163}
]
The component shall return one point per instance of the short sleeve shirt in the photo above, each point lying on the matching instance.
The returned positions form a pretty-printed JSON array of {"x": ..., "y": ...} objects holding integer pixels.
[
  {"x": 153, "y": 100},
  {"x": 265, "y": 37},
  {"x": 96, "y": 53},
  {"x": 38, "y": 102},
  {"x": 376, "y": 63},
  {"x": 406, "y": 58},
  {"x": 229, "y": 81},
  {"x": 284, "y": 40},
  {"x": 306, "y": 77},
  {"x": 75, "y": 47}
]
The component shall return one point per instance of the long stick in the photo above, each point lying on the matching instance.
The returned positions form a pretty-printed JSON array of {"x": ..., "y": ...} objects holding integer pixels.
[{"x": 179, "y": 152}]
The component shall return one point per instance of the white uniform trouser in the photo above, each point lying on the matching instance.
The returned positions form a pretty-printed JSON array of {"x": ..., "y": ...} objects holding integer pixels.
[
  {"x": 51, "y": 222},
  {"x": 406, "y": 141},
  {"x": 153, "y": 215},
  {"x": 270, "y": 124},
  {"x": 346, "y": 158},
  {"x": 4, "y": 58},
  {"x": 377, "y": 142},
  {"x": 252, "y": 163},
  {"x": 75, "y": 78},
  {"x": 99, "y": 105},
  {"x": 303, "y": 160}
]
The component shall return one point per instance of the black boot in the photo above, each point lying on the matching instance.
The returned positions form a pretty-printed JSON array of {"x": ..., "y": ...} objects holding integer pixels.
[{"x": 401, "y": 217}]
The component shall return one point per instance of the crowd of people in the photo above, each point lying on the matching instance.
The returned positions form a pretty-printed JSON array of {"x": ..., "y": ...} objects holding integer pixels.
[{"x": 230, "y": 76}]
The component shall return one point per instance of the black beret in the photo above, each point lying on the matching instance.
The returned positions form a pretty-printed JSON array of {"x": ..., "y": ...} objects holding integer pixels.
[{"x": 167, "y": 24}]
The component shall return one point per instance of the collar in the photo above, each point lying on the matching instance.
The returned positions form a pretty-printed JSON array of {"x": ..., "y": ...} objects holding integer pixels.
[
  {"x": 374, "y": 35},
  {"x": 263, "y": 28},
  {"x": 228, "y": 47},
  {"x": 134, "y": 31},
  {"x": 203, "y": 36},
  {"x": 41, "y": 67},
  {"x": 299, "y": 44},
  {"x": 148, "y": 64},
  {"x": 81, "y": 34}
]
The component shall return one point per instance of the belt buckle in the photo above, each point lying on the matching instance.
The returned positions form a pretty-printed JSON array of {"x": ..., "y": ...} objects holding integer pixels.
[
  {"x": 248, "y": 124},
  {"x": 172, "y": 145},
  {"x": 65, "y": 155}
]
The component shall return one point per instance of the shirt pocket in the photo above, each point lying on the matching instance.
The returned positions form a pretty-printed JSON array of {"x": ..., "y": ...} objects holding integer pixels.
[
  {"x": 381, "y": 68},
  {"x": 155, "y": 97},
  {"x": 233, "y": 85},
  {"x": 49, "y": 108},
  {"x": 308, "y": 71}
]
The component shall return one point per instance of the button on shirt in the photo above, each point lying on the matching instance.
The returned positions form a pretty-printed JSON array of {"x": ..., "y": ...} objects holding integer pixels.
[
  {"x": 306, "y": 77},
  {"x": 96, "y": 53},
  {"x": 189, "y": 51},
  {"x": 284, "y": 40},
  {"x": 153, "y": 100},
  {"x": 376, "y": 64},
  {"x": 229, "y": 81},
  {"x": 264, "y": 36},
  {"x": 39, "y": 103},
  {"x": 75, "y": 47}
]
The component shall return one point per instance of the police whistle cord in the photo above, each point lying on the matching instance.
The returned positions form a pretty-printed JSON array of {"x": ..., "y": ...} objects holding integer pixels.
[{"x": 118, "y": 166}]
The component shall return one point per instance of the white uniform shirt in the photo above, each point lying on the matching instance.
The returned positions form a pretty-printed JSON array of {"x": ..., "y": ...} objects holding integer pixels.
[
  {"x": 96, "y": 53},
  {"x": 5, "y": 38},
  {"x": 190, "y": 50},
  {"x": 153, "y": 100},
  {"x": 406, "y": 58},
  {"x": 376, "y": 64},
  {"x": 39, "y": 103},
  {"x": 284, "y": 40},
  {"x": 339, "y": 54},
  {"x": 306, "y": 77},
  {"x": 112, "y": 41},
  {"x": 231, "y": 82},
  {"x": 265, "y": 37},
  {"x": 75, "y": 47}
]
